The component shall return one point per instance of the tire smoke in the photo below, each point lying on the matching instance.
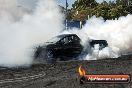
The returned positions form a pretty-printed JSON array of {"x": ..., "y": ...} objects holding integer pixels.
[
  {"x": 118, "y": 34},
  {"x": 21, "y": 31}
]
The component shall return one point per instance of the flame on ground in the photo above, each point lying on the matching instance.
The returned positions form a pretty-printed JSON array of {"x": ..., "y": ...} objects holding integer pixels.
[{"x": 81, "y": 71}]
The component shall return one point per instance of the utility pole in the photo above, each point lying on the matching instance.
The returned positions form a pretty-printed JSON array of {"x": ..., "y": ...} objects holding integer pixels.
[{"x": 66, "y": 15}]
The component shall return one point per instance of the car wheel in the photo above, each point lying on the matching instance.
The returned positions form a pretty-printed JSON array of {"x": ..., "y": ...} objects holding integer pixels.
[{"x": 50, "y": 57}]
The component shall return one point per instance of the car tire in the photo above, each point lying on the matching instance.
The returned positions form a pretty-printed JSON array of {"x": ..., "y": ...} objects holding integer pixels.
[{"x": 50, "y": 57}]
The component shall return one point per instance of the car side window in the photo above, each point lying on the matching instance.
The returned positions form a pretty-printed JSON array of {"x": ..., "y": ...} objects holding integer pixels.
[
  {"x": 66, "y": 40},
  {"x": 70, "y": 39},
  {"x": 61, "y": 41},
  {"x": 75, "y": 39}
]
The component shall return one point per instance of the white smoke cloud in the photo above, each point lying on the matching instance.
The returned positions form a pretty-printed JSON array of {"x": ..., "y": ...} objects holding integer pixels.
[
  {"x": 8, "y": 10},
  {"x": 118, "y": 34},
  {"x": 21, "y": 31}
]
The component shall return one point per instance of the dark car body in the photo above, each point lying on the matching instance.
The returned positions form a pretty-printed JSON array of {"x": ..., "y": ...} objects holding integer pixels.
[
  {"x": 68, "y": 46},
  {"x": 102, "y": 43},
  {"x": 65, "y": 46}
]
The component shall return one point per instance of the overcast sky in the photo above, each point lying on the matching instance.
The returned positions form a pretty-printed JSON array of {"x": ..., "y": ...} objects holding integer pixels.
[{"x": 31, "y": 3}]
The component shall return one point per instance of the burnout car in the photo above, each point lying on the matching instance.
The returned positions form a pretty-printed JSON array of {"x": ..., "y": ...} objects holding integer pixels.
[{"x": 64, "y": 47}]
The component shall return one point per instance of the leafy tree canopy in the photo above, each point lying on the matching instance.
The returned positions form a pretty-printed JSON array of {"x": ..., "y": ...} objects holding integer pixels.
[{"x": 82, "y": 9}]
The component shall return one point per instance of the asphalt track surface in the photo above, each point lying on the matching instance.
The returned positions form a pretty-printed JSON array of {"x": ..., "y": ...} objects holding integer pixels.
[{"x": 64, "y": 74}]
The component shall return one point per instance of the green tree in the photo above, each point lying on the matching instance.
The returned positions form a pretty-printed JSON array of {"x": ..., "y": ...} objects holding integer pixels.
[
  {"x": 84, "y": 4},
  {"x": 101, "y": 11},
  {"x": 107, "y": 10}
]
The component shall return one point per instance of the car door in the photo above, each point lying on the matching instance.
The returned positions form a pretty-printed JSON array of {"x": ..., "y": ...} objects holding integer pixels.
[
  {"x": 64, "y": 47},
  {"x": 72, "y": 46},
  {"x": 76, "y": 47},
  {"x": 60, "y": 48}
]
